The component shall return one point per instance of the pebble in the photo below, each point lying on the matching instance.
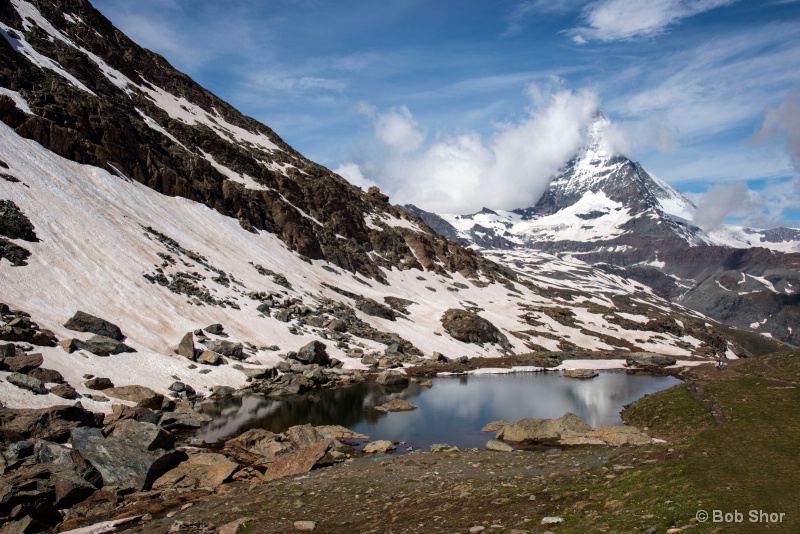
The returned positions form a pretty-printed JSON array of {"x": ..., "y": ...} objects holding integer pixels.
[
  {"x": 552, "y": 520},
  {"x": 477, "y": 528},
  {"x": 305, "y": 526}
]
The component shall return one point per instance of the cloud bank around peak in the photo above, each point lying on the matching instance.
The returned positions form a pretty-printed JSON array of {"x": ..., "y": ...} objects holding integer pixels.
[{"x": 463, "y": 172}]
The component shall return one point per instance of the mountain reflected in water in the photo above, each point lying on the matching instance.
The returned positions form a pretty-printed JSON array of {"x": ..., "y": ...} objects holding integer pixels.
[{"x": 453, "y": 411}]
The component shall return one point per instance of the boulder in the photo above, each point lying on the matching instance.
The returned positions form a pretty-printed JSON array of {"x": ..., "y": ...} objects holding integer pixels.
[
  {"x": 297, "y": 462},
  {"x": 376, "y": 309},
  {"x": 65, "y": 391},
  {"x": 50, "y": 376},
  {"x": 397, "y": 405},
  {"x": 339, "y": 432},
  {"x": 610, "y": 435},
  {"x": 499, "y": 446},
  {"x": 303, "y": 436},
  {"x": 225, "y": 348},
  {"x": 23, "y": 363},
  {"x": 542, "y": 430},
  {"x": 208, "y": 357},
  {"x": 337, "y": 325},
  {"x": 649, "y": 359},
  {"x": 134, "y": 456},
  {"x": 9, "y": 350},
  {"x": 43, "y": 338},
  {"x": 216, "y": 329},
  {"x": 260, "y": 373},
  {"x": 99, "y": 383},
  {"x": 102, "y": 346},
  {"x": 392, "y": 378},
  {"x": 580, "y": 373},
  {"x": 186, "y": 346},
  {"x": 203, "y": 470},
  {"x": 184, "y": 419},
  {"x": 48, "y": 452},
  {"x": 27, "y": 382},
  {"x": 494, "y": 426},
  {"x": 469, "y": 327},
  {"x": 69, "y": 345},
  {"x": 219, "y": 392},
  {"x": 52, "y": 424},
  {"x": 314, "y": 352},
  {"x": 444, "y": 447},
  {"x": 84, "y": 322},
  {"x": 380, "y": 446},
  {"x": 257, "y": 447},
  {"x": 139, "y": 394}
]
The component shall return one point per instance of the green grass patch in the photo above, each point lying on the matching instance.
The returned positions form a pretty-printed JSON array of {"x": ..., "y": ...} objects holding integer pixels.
[
  {"x": 752, "y": 461},
  {"x": 669, "y": 414}
]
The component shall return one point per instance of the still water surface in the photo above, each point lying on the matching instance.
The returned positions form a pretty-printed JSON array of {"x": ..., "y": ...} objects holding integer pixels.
[{"x": 453, "y": 411}]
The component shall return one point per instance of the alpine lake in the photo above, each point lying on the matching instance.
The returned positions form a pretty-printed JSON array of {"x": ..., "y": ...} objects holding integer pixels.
[{"x": 452, "y": 411}]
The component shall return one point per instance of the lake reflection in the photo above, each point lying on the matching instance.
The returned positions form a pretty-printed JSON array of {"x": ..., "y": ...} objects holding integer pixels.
[{"x": 453, "y": 411}]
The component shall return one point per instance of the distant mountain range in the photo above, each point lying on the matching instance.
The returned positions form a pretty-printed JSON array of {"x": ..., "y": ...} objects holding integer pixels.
[{"x": 608, "y": 211}]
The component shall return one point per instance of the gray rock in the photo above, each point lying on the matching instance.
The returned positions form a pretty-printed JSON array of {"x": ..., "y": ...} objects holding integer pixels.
[
  {"x": 470, "y": 327},
  {"x": 27, "y": 382},
  {"x": 99, "y": 383},
  {"x": 260, "y": 373},
  {"x": 538, "y": 430},
  {"x": 65, "y": 391},
  {"x": 314, "y": 352},
  {"x": 392, "y": 378},
  {"x": 216, "y": 329},
  {"x": 47, "y": 452},
  {"x": 186, "y": 346},
  {"x": 23, "y": 363},
  {"x": 126, "y": 460},
  {"x": 649, "y": 359},
  {"x": 46, "y": 375},
  {"x": 204, "y": 470},
  {"x": 226, "y": 348},
  {"x": 219, "y": 392},
  {"x": 496, "y": 445},
  {"x": 84, "y": 322},
  {"x": 102, "y": 346},
  {"x": 581, "y": 373},
  {"x": 208, "y": 357},
  {"x": 143, "y": 396},
  {"x": 184, "y": 420},
  {"x": 381, "y": 446},
  {"x": 444, "y": 447}
]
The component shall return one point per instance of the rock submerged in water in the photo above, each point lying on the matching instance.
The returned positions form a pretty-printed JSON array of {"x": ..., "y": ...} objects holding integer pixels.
[
  {"x": 581, "y": 373},
  {"x": 396, "y": 405}
]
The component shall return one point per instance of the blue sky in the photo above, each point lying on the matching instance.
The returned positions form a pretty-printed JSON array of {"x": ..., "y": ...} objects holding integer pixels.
[{"x": 457, "y": 104}]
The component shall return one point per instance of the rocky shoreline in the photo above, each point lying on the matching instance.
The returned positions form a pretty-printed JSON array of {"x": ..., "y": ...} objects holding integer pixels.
[{"x": 65, "y": 466}]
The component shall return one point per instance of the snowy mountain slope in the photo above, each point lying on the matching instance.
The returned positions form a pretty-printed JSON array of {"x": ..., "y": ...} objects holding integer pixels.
[
  {"x": 95, "y": 250},
  {"x": 133, "y": 194}
]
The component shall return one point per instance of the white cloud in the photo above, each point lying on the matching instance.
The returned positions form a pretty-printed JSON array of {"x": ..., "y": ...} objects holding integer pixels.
[
  {"x": 352, "y": 173},
  {"x": 523, "y": 10},
  {"x": 784, "y": 121},
  {"x": 612, "y": 20},
  {"x": 395, "y": 128},
  {"x": 463, "y": 172},
  {"x": 723, "y": 201}
]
